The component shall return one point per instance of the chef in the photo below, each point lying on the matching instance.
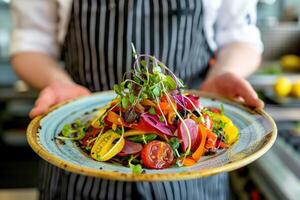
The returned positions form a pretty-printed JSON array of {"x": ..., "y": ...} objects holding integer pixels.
[{"x": 93, "y": 37}]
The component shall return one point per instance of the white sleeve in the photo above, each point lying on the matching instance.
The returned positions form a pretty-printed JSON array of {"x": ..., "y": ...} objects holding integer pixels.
[
  {"x": 236, "y": 21},
  {"x": 34, "y": 27}
]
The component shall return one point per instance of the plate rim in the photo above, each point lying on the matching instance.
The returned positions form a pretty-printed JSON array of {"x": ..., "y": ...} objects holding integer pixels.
[{"x": 34, "y": 125}]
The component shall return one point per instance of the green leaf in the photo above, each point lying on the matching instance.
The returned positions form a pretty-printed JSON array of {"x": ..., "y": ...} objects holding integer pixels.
[
  {"x": 117, "y": 89},
  {"x": 161, "y": 118},
  {"x": 222, "y": 109},
  {"x": 118, "y": 131},
  {"x": 67, "y": 130},
  {"x": 156, "y": 91},
  {"x": 174, "y": 143},
  {"x": 142, "y": 139},
  {"x": 152, "y": 111},
  {"x": 143, "y": 63},
  {"x": 170, "y": 83},
  {"x": 125, "y": 102},
  {"x": 136, "y": 79},
  {"x": 132, "y": 98},
  {"x": 137, "y": 169}
]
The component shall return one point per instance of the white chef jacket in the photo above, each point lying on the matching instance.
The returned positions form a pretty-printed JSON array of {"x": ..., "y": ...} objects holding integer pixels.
[{"x": 41, "y": 25}]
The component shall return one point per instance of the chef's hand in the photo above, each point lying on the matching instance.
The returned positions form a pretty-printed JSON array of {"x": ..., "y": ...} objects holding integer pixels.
[
  {"x": 230, "y": 85},
  {"x": 56, "y": 93}
]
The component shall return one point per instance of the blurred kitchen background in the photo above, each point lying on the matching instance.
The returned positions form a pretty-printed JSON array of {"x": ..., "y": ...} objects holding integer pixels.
[{"x": 274, "y": 176}]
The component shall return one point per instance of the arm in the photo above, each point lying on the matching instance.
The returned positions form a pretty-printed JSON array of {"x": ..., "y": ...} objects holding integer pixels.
[
  {"x": 34, "y": 52},
  {"x": 43, "y": 72},
  {"x": 238, "y": 54},
  {"x": 38, "y": 69},
  {"x": 238, "y": 58}
]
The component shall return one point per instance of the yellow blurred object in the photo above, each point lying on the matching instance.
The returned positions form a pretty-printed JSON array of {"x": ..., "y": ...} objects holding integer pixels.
[
  {"x": 282, "y": 86},
  {"x": 231, "y": 132},
  {"x": 296, "y": 89},
  {"x": 290, "y": 62}
]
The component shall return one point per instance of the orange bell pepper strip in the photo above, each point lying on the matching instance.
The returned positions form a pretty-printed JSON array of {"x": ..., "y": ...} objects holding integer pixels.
[
  {"x": 171, "y": 117},
  {"x": 114, "y": 118},
  {"x": 188, "y": 161},
  {"x": 201, "y": 149},
  {"x": 211, "y": 140},
  {"x": 148, "y": 102},
  {"x": 223, "y": 145}
]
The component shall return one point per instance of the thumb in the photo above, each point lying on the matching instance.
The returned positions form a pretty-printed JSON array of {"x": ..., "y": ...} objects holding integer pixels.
[{"x": 46, "y": 99}]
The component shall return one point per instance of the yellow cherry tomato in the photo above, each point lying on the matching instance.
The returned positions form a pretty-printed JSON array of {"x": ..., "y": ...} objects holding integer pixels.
[
  {"x": 105, "y": 147},
  {"x": 231, "y": 132}
]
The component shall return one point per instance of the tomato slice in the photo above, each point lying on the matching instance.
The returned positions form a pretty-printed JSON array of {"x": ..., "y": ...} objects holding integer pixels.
[{"x": 157, "y": 155}]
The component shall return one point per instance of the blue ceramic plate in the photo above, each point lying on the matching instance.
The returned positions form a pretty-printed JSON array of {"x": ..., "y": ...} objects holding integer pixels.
[{"x": 257, "y": 134}]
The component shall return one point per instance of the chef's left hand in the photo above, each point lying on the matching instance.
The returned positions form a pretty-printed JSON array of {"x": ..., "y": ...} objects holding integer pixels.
[{"x": 230, "y": 85}]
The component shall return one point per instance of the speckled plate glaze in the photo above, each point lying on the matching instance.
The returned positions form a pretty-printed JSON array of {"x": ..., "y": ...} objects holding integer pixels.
[{"x": 257, "y": 134}]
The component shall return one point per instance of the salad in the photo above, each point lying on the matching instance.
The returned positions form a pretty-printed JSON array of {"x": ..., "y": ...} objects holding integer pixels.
[{"x": 152, "y": 123}]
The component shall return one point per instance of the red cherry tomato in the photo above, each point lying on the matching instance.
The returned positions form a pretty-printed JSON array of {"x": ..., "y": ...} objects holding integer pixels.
[
  {"x": 157, "y": 155},
  {"x": 214, "y": 110}
]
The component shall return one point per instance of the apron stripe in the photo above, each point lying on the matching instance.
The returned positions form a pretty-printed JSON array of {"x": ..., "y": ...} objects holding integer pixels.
[
  {"x": 172, "y": 36},
  {"x": 109, "y": 35},
  {"x": 119, "y": 191},
  {"x": 147, "y": 29},
  {"x": 154, "y": 27},
  {"x": 138, "y": 35},
  {"x": 168, "y": 190},
  {"x": 79, "y": 47},
  {"x": 93, "y": 55},
  {"x": 142, "y": 28},
  {"x": 165, "y": 30},
  {"x": 180, "y": 38},
  {"x": 82, "y": 27},
  {"x": 87, "y": 47},
  {"x": 128, "y": 190},
  {"x": 103, "y": 190},
  {"x": 187, "y": 43},
  {"x": 112, "y": 189},
  {"x": 120, "y": 47},
  {"x": 130, "y": 33},
  {"x": 95, "y": 188},
  {"x": 103, "y": 70},
  {"x": 87, "y": 187},
  {"x": 175, "y": 189}
]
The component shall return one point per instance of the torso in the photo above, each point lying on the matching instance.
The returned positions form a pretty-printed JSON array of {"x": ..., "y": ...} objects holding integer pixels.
[
  {"x": 97, "y": 47},
  {"x": 97, "y": 52}
]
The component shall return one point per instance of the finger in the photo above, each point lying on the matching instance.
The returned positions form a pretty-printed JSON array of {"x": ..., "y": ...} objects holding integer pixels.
[
  {"x": 46, "y": 99},
  {"x": 246, "y": 91}
]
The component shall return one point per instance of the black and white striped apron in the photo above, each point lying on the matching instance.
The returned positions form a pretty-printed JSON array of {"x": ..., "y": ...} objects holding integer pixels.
[{"x": 97, "y": 52}]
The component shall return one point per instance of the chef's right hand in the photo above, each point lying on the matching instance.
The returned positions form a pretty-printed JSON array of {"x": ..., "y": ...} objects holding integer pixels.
[{"x": 56, "y": 93}]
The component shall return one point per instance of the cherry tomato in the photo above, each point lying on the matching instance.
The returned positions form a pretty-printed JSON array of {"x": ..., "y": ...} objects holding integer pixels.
[
  {"x": 157, "y": 155},
  {"x": 214, "y": 110}
]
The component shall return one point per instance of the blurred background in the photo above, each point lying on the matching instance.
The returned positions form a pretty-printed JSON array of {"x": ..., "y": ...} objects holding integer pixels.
[{"x": 274, "y": 176}]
